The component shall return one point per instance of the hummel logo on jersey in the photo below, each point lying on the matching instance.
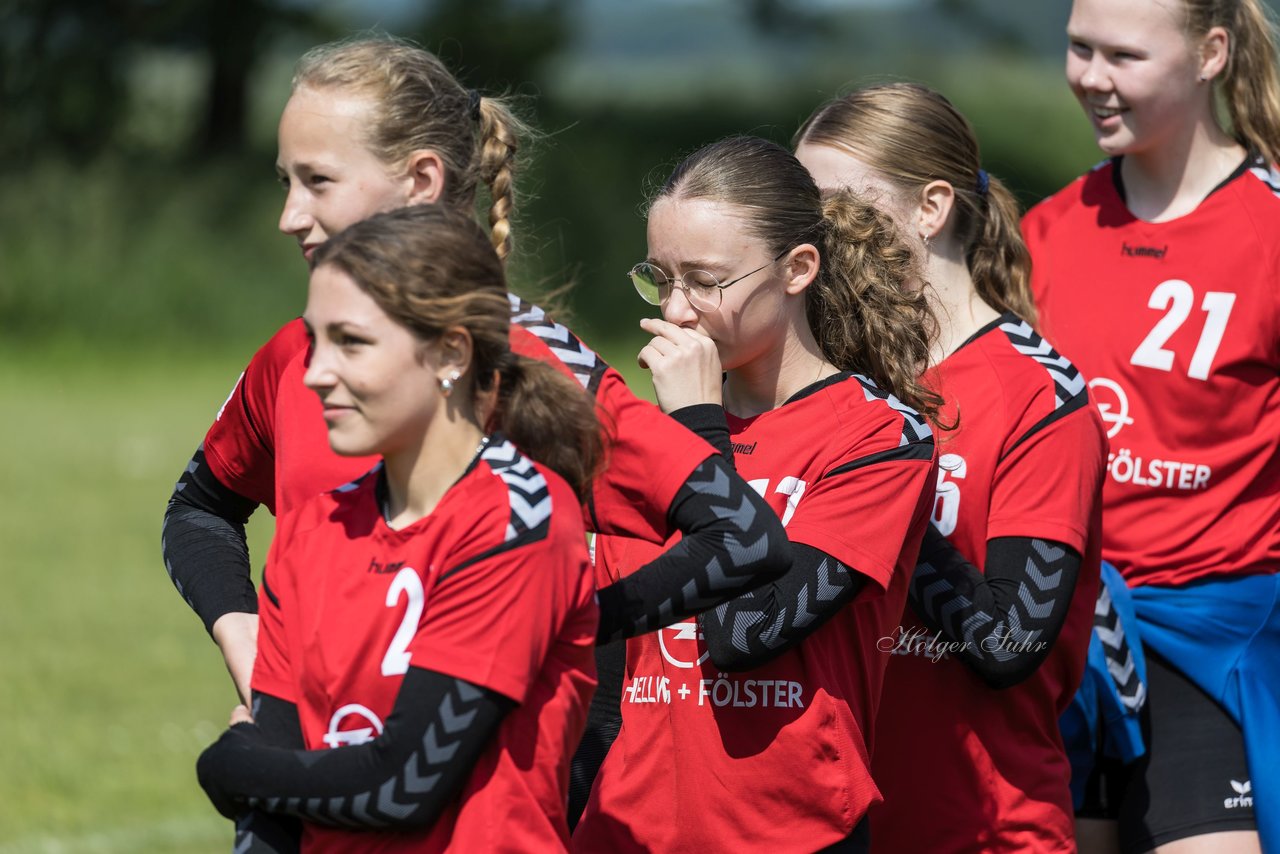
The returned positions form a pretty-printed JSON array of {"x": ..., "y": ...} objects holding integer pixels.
[
  {"x": 1243, "y": 798},
  {"x": 385, "y": 568},
  {"x": 1143, "y": 251},
  {"x": 744, "y": 449}
]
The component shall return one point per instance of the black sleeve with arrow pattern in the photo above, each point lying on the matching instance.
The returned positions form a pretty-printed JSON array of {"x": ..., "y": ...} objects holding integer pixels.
[
  {"x": 432, "y": 739},
  {"x": 732, "y": 541},
  {"x": 1005, "y": 620},
  {"x": 763, "y": 623}
]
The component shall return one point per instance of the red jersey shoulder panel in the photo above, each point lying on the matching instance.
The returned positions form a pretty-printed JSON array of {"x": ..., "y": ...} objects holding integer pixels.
[{"x": 240, "y": 446}]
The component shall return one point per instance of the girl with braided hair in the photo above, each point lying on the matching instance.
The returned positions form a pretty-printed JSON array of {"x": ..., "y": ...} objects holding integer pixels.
[{"x": 376, "y": 124}]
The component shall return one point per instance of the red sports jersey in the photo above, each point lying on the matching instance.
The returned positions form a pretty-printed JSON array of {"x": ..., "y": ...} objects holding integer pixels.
[
  {"x": 774, "y": 759},
  {"x": 270, "y": 443},
  {"x": 492, "y": 587},
  {"x": 962, "y": 766},
  {"x": 1177, "y": 326}
]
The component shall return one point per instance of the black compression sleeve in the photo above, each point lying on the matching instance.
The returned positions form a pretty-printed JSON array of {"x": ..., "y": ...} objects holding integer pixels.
[
  {"x": 203, "y": 543},
  {"x": 403, "y": 778},
  {"x": 708, "y": 421},
  {"x": 604, "y": 719},
  {"x": 732, "y": 541},
  {"x": 257, "y": 831},
  {"x": 759, "y": 625},
  {"x": 1006, "y": 620},
  {"x": 277, "y": 720}
]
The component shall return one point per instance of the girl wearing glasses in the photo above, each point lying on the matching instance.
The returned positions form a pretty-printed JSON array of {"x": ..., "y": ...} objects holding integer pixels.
[
  {"x": 749, "y": 728},
  {"x": 434, "y": 619},
  {"x": 377, "y": 124},
  {"x": 1159, "y": 271},
  {"x": 992, "y": 646}
]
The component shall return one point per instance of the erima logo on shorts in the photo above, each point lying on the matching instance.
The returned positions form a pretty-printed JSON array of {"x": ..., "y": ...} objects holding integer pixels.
[{"x": 1243, "y": 798}]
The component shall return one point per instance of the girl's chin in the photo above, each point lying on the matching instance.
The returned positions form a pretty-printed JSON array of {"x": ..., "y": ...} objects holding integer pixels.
[{"x": 348, "y": 446}]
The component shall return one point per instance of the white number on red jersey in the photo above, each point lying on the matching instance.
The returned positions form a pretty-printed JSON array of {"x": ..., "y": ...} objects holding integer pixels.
[
  {"x": 792, "y": 487},
  {"x": 1178, "y": 297},
  {"x": 946, "y": 502},
  {"x": 396, "y": 661}
]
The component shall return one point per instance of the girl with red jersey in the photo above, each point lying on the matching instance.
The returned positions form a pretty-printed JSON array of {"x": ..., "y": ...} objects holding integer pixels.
[
  {"x": 1157, "y": 271},
  {"x": 993, "y": 645},
  {"x": 377, "y": 124},
  {"x": 789, "y": 339},
  {"x": 435, "y": 618}
]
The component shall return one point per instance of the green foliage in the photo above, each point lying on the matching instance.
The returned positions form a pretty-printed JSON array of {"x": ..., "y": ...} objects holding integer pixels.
[
  {"x": 603, "y": 160},
  {"x": 122, "y": 253}
]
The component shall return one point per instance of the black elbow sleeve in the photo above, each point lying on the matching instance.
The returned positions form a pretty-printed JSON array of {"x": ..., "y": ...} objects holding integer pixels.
[{"x": 204, "y": 547}]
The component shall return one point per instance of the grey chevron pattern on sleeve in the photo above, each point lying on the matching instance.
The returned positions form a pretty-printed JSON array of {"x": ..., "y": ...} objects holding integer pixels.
[
  {"x": 732, "y": 541},
  {"x": 757, "y": 626},
  {"x": 1006, "y": 619},
  {"x": 1121, "y": 665},
  {"x": 396, "y": 800}
]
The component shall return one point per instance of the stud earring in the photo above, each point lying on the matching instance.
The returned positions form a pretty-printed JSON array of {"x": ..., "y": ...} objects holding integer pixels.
[{"x": 446, "y": 384}]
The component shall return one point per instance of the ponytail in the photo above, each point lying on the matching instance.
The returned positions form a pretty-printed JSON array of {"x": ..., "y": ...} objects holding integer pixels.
[
  {"x": 546, "y": 415},
  {"x": 998, "y": 259},
  {"x": 433, "y": 269},
  {"x": 1250, "y": 85},
  {"x": 912, "y": 136},
  {"x": 865, "y": 308},
  {"x": 417, "y": 104},
  {"x": 864, "y": 312}
]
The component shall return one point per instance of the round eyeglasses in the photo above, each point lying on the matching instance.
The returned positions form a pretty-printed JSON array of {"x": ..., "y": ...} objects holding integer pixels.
[{"x": 702, "y": 289}]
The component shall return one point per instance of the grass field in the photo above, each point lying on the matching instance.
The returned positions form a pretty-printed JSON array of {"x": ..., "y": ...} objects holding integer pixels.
[{"x": 109, "y": 686}]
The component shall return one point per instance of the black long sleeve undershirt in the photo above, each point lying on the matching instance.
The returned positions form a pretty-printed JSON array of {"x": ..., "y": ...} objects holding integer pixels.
[
  {"x": 430, "y": 742},
  {"x": 761, "y": 624},
  {"x": 732, "y": 541},
  {"x": 258, "y": 831},
  {"x": 204, "y": 547},
  {"x": 1005, "y": 620},
  {"x": 765, "y": 621}
]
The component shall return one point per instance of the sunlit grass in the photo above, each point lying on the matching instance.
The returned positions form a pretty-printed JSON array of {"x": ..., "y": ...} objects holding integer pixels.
[{"x": 111, "y": 686}]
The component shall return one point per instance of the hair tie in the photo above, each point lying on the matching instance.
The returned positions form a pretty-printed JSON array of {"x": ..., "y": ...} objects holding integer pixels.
[
  {"x": 473, "y": 104},
  {"x": 984, "y": 182}
]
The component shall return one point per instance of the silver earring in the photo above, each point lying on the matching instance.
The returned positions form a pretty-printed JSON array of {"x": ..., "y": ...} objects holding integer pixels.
[{"x": 446, "y": 384}]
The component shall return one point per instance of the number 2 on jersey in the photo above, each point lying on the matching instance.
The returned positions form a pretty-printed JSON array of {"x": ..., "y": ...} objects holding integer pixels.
[
  {"x": 1178, "y": 297},
  {"x": 396, "y": 661}
]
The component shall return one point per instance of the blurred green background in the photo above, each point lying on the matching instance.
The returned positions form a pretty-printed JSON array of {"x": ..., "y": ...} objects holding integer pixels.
[{"x": 140, "y": 267}]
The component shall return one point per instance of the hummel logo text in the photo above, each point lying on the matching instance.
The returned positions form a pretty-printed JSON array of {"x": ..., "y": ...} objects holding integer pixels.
[{"x": 1143, "y": 251}]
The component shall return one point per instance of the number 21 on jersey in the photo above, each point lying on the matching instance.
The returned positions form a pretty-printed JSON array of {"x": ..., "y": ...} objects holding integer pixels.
[{"x": 1175, "y": 297}]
